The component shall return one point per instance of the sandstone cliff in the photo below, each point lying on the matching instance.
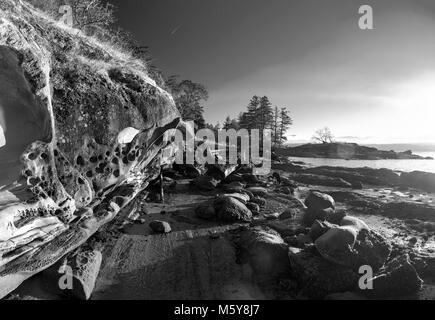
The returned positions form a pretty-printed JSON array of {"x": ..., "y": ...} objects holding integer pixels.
[{"x": 69, "y": 163}]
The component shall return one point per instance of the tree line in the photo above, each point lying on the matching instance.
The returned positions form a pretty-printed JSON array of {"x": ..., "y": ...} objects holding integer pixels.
[{"x": 261, "y": 114}]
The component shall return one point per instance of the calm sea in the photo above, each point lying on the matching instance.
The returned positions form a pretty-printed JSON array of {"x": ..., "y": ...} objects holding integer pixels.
[{"x": 400, "y": 165}]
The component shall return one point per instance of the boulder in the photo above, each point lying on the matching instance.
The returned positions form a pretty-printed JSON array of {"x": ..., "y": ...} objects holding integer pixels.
[
  {"x": 318, "y": 277},
  {"x": 258, "y": 191},
  {"x": 86, "y": 266},
  {"x": 397, "y": 278},
  {"x": 350, "y": 247},
  {"x": 230, "y": 209},
  {"x": 242, "y": 197},
  {"x": 356, "y": 223},
  {"x": 74, "y": 276},
  {"x": 265, "y": 251},
  {"x": 371, "y": 249},
  {"x": 319, "y": 201},
  {"x": 319, "y": 228},
  {"x": 336, "y": 245},
  {"x": 160, "y": 226}
]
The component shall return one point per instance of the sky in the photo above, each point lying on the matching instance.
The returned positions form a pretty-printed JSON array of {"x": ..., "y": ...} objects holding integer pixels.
[{"x": 367, "y": 86}]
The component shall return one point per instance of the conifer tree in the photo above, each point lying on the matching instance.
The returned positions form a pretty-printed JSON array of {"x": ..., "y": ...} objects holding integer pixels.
[{"x": 285, "y": 122}]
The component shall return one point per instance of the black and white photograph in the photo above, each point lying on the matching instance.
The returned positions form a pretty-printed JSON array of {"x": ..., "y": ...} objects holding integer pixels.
[{"x": 215, "y": 158}]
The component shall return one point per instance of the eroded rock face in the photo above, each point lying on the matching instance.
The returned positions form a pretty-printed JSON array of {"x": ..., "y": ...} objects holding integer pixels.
[{"x": 64, "y": 169}]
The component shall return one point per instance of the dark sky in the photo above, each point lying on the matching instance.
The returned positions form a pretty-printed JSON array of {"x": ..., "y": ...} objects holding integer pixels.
[{"x": 309, "y": 56}]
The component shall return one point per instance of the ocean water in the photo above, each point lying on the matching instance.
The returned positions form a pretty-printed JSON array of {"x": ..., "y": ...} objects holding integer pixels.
[{"x": 397, "y": 165}]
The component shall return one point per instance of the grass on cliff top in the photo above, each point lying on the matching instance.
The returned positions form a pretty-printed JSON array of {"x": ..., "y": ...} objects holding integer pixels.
[{"x": 119, "y": 57}]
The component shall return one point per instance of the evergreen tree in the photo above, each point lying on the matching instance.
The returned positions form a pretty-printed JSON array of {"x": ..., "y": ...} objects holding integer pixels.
[
  {"x": 264, "y": 114},
  {"x": 276, "y": 126},
  {"x": 227, "y": 123},
  {"x": 285, "y": 122},
  {"x": 249, "y": 119},
  {"x": 261, "y": 115}
]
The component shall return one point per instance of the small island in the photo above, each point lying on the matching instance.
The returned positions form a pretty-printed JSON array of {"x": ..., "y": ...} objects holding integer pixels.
[{"x": 348, "y": 151}]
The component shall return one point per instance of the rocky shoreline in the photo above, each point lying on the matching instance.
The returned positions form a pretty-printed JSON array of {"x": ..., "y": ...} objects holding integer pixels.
[
  {"x": 282, "y": 236},
  {"x": 83, "y": 216}
]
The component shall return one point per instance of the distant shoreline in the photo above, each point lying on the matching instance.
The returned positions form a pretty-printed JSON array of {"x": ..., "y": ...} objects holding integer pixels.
[
  {"x": 416, "y": 147},
  {"x": 346, "y": 151}
]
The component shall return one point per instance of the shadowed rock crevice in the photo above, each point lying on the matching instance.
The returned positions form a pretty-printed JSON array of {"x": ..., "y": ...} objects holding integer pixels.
[{"x": 23, "y": 117}]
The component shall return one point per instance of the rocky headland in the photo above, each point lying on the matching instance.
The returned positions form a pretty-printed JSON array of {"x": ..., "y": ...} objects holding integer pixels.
[{"x": 348, "y": 151}]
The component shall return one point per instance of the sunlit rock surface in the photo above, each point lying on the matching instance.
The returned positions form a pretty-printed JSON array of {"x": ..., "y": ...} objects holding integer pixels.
[{"x": 64, "y": 171}]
